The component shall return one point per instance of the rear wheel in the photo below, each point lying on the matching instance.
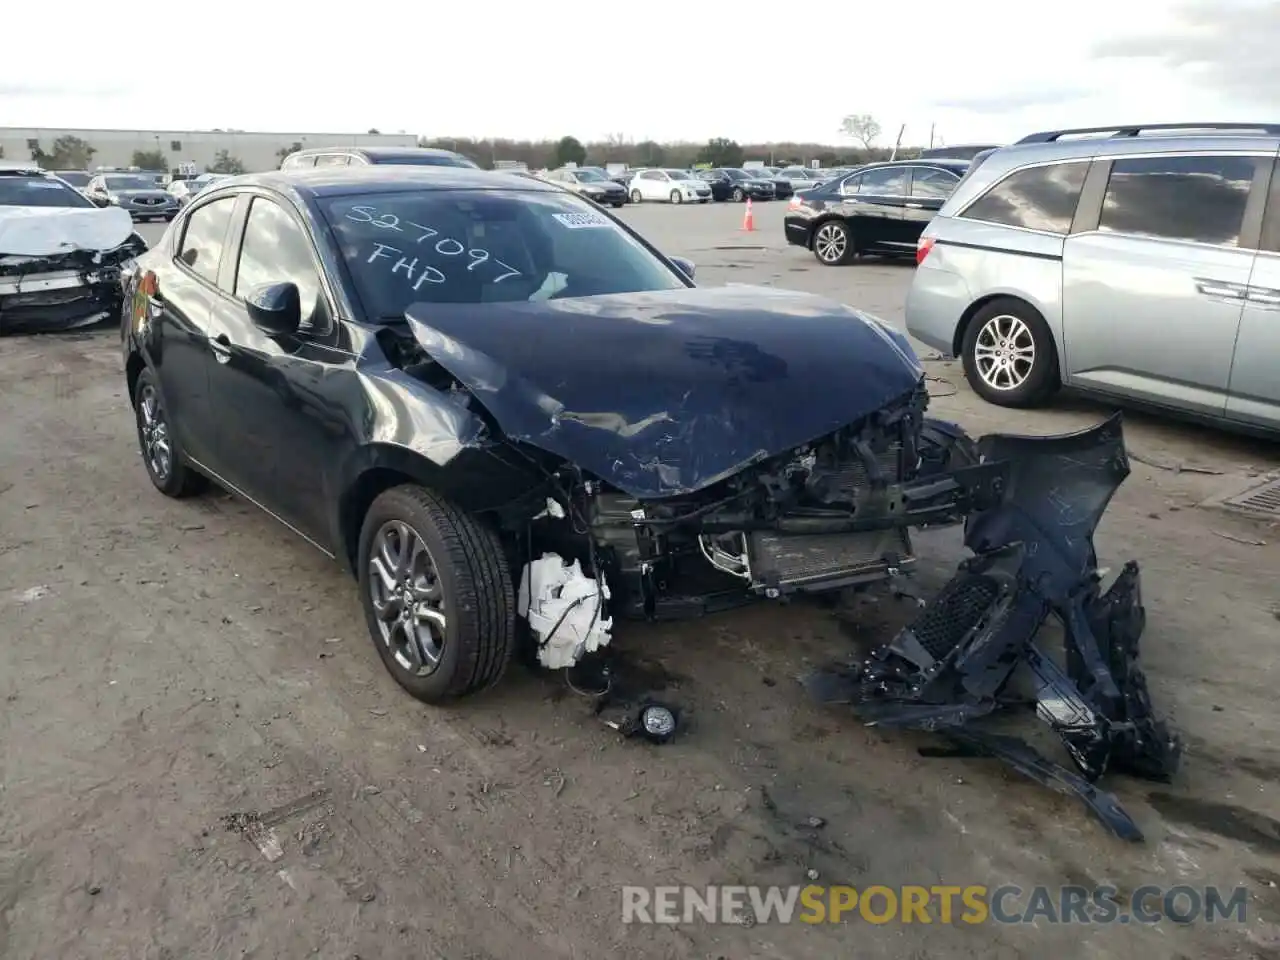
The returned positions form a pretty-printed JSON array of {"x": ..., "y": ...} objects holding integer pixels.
[
  {"x": 1009, "y": 355},
  {"x": 161, "y": 454},
  {"x": 833, "y": 244},
  {"x": 437, "y": 595},
  {"x": 635, "y": 196},
  {"x": 676, "y": 196}
]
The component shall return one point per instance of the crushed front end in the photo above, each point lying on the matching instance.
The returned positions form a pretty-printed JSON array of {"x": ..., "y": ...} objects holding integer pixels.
[
  {"x": 62, "y": 291},
  {"x": 825, "y": 516}
]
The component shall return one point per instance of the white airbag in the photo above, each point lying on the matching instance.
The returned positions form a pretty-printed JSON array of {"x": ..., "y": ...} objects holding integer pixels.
[{"x": 45, "y": 231}]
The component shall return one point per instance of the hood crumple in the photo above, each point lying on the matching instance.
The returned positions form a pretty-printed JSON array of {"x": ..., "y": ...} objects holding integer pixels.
[{"x": 667, "y": 392}]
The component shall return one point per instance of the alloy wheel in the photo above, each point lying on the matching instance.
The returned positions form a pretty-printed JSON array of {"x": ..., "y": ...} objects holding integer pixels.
[
  {"x": 154, "y": 428},
  {"x": 830, "y": 242},
  {"x": 1005, "y": 352},
  {"x": 407, "y": 597}
]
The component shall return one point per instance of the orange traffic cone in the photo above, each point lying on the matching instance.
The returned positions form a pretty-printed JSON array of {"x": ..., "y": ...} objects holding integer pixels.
[{"x": 748, "y": 221}]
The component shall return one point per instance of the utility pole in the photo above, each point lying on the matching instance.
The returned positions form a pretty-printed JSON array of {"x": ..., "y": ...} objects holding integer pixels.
[{"x": 931, "y": 127}]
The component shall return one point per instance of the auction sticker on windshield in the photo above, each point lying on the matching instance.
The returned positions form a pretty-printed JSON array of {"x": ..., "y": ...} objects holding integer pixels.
[{"x": 579, "y": 221}]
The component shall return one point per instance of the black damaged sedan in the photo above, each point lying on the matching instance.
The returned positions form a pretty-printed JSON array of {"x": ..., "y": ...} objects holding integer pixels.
[{"x": 496, "y": 404}]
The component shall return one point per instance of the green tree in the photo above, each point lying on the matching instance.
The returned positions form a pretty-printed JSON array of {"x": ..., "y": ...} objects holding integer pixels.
[
  {"x": 69, "y": 153},
  {"x": 285, "y": 151},
  {"x": 651, "y": 154},
  {"x": 862, "y": 127},
  {"x": 721, "y": 152},
  {"x": 570, "y": 150},
  {"x": 150, "y": 160},
  {"x": 224, "y": 162}
]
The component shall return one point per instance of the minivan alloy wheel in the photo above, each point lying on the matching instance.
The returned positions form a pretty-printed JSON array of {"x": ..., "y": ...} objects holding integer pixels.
[
  {"x": 408, "y": 598},
  {"x": 830, "y": 242},
  {"x": 1005, "y": 352}
]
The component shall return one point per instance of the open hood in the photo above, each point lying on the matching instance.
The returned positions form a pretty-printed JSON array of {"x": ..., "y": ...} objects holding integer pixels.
[
  {"x": 47, "y": 231},
  {"x": 666, "y": 392}
]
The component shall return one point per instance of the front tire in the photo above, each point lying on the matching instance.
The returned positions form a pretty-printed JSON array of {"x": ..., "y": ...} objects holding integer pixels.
[
  {"x": 833, "y": 244},
  {"x": 635, "y": 196},
  {"x": 437, "y": 595},
  {"x": 676, "y": 197},
  {"x": 161, "y": 455},
  {"x": 1009, "y": 355},
  {"x": 738, "y": 195}
]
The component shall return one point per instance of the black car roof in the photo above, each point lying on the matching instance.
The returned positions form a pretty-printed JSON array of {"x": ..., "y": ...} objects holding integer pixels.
[{"x": 343, "y": 181}]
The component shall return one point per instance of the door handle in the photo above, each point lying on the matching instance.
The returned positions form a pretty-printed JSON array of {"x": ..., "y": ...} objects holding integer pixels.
[
  {"x": 915, "y": 206},
  {"x": 1263, "y": 297},
  {"x": 1219, "y": 288},
  {"x": 221, "y": 345}
]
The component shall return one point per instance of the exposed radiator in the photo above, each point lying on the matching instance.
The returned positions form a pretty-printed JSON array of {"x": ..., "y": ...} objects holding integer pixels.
[{"x": 789, "y": 562}]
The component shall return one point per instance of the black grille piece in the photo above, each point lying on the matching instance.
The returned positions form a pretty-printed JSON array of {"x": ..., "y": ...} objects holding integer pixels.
[{"x": 961, "y": 605}]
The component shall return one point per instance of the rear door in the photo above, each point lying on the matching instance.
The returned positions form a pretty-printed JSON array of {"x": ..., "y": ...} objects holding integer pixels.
[
  {"x": 930, "y": 186},
  {"x": 1153, "y": 292},
  {"x": 182, "y": 353},
  {"x": 1254, "y": 392},
  {"x": 873, "y": 203}
]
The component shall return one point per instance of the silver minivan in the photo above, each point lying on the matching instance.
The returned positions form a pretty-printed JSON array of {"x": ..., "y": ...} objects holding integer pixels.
[{"x": 1139, "y": 263}]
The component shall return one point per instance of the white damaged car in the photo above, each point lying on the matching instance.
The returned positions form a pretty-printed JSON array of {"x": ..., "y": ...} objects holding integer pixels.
[{"x": 60, "y": 255}]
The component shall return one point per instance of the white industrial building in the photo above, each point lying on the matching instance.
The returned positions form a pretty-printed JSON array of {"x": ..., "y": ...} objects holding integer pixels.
[{"x": 257, "y": 151}]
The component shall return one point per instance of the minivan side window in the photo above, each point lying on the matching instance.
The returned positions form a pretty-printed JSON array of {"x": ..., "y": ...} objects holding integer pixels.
[
  {"x": 1037, "y": 198},
  {"x": 1201, "y": 199},
  {"x": 205, "y": 236}
]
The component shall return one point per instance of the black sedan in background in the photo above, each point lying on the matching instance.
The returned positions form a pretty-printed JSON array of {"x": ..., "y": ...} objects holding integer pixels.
[
  {"x": 782, "y": 188},
  {"x": 730, "y": 183},
  {"x": 590, "y": 182},
  {"x": 881, "y": 209}
]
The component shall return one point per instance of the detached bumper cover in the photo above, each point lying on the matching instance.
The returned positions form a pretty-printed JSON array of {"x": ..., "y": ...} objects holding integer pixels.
[{"x": 1033, "y": 557}]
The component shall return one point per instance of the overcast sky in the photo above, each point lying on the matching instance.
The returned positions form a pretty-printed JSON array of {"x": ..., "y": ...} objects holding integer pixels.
[{"x": 982, "y": 70}]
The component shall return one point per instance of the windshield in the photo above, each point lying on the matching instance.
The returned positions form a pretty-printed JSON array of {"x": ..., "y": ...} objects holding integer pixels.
[
  {"x": 587, "y": 175},
  {"x": 679, "y": 174},
  {"x": 130, "y": 183},
  {"x": 485, "y": 246},
  {"x": 735, "y": 174},
  {"x": 74, "y": 177},
  {"x": 29, "y": 191}
]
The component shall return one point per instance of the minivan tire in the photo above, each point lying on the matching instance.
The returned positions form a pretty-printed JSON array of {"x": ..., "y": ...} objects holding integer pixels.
[
  {"x": 1024, "y": 326},
  {"x": 476, "y": 596}
]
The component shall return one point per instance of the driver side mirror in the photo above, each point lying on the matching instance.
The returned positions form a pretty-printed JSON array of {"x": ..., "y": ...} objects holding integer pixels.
[
  {"x": 275, "y": 308},
  {"x": 684, "y": 266}
]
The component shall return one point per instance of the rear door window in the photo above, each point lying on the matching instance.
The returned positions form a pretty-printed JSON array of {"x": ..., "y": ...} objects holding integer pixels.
[
  {"x": 205, "y": 237},
  {"x": 1038, "y": 198},
  {"x": 930, "y": 183},
  {"x": 1196, "y": 198},
  {"x": 891, "y": 182}
]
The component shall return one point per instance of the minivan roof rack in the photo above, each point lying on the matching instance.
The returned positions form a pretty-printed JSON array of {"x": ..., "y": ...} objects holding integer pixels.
[{"x": 1136, "y": 130}]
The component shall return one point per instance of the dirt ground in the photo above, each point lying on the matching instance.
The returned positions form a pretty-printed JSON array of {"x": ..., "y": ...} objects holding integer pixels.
[{"x": 169, "y": 668}]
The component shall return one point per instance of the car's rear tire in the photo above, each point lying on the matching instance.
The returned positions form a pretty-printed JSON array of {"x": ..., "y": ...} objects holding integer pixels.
[
  {"x": 458, "y": 633},
  {"x": 1009, "y": 355},
  {"x": 635, "y": 196},
  {"x": 161, "y": 455},
  {"x": 833, "y": 244},
  {"x": 676, "y": 196},
  {"x": 738, "y": 195}
]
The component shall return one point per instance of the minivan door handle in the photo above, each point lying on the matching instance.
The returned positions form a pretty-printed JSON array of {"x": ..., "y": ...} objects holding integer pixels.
[{"x": 1220, "y": 288}]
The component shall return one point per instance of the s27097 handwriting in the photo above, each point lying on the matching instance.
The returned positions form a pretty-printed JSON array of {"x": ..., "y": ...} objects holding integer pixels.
[{"x": 420, "y": 234}]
